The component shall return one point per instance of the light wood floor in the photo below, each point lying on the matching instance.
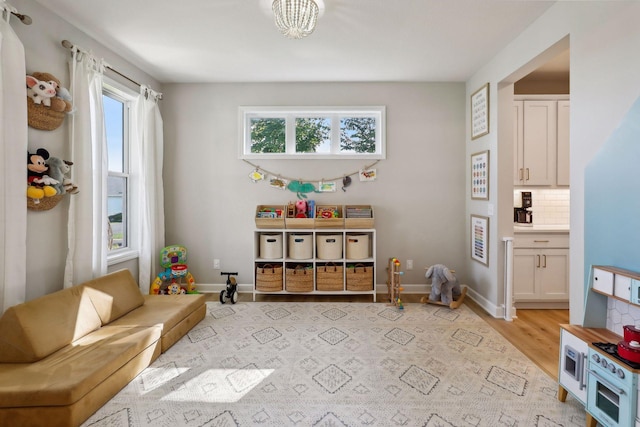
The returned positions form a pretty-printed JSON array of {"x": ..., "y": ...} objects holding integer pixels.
[{"x": 534, "y": 332}]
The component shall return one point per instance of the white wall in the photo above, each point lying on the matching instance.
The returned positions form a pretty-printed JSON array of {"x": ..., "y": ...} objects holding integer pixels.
[
  {"x": 603, "y": 39},
  {"x": 47, "y": 230},
  {"x": 418, "y": 197}
]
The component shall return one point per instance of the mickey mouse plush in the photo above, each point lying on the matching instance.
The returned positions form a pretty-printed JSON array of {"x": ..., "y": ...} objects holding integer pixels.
[{"x": 39, "y": 182}]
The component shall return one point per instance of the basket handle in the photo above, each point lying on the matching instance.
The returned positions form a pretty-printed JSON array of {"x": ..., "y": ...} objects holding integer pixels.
[
  {"x": 273, "y": 269},
  {"x": 330, "y": 264},
  {"x": 359, "y": 265}
]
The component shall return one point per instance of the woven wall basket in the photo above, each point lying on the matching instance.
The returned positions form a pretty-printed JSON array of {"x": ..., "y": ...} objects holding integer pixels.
[
  {"x": 42, "y": 117},
  {"x": 45, "y": 203}
]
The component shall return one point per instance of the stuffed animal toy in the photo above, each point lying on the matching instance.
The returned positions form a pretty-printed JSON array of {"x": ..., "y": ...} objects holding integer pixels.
[
  {"x": 301, "y": 209},
  {"x": 58, "y": 170},
  {"x": 36, "y": 178},
  {"x": 41, "y": 92},
  {"x": 45, "y": 89},
  {"x": 444, "y": 284}
]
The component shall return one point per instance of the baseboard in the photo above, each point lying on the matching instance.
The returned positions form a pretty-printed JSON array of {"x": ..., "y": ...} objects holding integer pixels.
[{"x": 248, "y": 288}]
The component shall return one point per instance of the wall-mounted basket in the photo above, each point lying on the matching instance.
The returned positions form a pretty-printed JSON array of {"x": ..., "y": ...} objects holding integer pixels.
[
  {"x": 45, "y": 203},
  {"x": 42, "y": 117}
]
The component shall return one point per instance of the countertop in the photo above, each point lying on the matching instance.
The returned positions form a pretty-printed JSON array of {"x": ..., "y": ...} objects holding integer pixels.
[{"x": 541, "y": 228}]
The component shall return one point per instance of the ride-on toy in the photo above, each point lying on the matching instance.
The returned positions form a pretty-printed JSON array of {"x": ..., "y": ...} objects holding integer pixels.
[{"x": 231, "y": 292}]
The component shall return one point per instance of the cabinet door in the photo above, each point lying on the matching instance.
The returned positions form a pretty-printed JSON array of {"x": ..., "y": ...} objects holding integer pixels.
[
  {"x": 554, "y": 274},
  {"x": 525, "y": 264},
  {"x": 563, "y": 143},
  {"x": 518, "y": 160},
  {"x": 539, "y": 142}
]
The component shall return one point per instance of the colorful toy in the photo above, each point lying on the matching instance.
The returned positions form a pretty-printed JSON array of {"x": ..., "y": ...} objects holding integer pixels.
[
  {"x": 393, "y": 283},
  {"x": 445, "y": 289},
  {"x": 170, "y": 281},
  {"x": 301, "y": 209}
]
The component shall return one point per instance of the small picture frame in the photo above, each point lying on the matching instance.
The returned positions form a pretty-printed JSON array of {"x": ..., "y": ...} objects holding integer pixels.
[
  {"x": 480, "y": 239},
  {"x": 480, "y": 112},
  {"x": 480, "y": 175}
]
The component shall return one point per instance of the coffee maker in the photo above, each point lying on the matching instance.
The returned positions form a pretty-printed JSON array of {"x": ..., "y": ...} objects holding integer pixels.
[{"x": 523, "y": 213}]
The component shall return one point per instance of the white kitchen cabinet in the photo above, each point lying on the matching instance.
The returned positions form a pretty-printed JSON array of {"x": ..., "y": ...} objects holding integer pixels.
[
  {"x": 541, "y": 268},
  {"x": 541, "y": 142},
  {"x": 562, "y": 169}
]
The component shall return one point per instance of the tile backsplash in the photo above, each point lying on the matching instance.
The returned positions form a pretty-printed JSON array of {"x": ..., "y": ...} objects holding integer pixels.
[
  {"x": 550, "y": 206},
  {"x": 620, "y": 313}
]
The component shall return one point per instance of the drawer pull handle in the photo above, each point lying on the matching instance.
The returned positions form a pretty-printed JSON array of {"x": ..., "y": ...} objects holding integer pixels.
[{"x": 540, "y": 241}]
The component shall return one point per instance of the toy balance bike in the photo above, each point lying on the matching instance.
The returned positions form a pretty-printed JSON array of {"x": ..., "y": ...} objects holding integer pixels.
[{"x": 231, "y": 292}]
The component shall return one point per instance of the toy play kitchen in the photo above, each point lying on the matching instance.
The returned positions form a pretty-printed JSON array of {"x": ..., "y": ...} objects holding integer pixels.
[{"x": 600, "y": 361}]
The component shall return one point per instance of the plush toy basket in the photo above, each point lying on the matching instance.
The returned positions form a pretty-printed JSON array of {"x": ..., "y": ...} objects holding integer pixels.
[
  {"x": 359, "y": 277},
  {"x": 42, "y": 117},
  {"x": 269, "y": 278},
  {"x": 45, "y": 203},
  {"x": 299, "y": 279},
  {"x": 329, "y": 277}
]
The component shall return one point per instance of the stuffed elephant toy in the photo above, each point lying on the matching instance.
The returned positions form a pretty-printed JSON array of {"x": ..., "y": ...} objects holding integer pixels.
[{"x": 444, "y": 284}]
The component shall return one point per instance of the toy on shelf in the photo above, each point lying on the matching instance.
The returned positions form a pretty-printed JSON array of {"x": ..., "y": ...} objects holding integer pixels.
[
  {"x": 445, "y": 289},
  {"x": 231, "y": 291},
  {"x": 170, "y": 281},
  {"x": 393, "y": 283}
]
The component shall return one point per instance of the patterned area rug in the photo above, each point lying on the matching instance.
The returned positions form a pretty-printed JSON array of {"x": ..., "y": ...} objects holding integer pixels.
[{"x": 340, "y": 364}]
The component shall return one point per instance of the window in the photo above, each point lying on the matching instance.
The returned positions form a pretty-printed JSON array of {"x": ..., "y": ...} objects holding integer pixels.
[
  {"x": 117, "y": 111},
  {"x": 312, "y": 132}
]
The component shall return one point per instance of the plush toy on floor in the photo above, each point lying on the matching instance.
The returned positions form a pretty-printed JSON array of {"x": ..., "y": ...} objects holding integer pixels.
[{"x": 445, "y": 289}]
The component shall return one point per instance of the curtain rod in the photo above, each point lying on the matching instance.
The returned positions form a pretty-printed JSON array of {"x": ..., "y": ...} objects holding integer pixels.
[{"x": 67, "y": 44}]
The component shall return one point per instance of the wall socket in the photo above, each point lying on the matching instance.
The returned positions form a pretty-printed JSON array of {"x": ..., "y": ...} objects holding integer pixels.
[
  {"x": 216, "y": 264},
  {"x": 409, "y": 264}
]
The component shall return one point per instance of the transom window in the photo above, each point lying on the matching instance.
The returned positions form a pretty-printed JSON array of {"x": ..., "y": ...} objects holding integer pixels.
[{"x": 312, "y": 132}]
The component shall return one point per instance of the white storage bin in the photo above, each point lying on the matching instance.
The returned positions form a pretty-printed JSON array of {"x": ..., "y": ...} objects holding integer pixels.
[
  {"x": 357, "y": 246},
  {"x": 300, "y": 246},
  {"x": 329, "y": 246},
  {"x": 270, "y": 245}
]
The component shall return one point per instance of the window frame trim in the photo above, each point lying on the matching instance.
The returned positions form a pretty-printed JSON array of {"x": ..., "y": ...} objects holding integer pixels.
[
  {"x": 290, "y": 113},
  {"x": 128, "y": 97}
]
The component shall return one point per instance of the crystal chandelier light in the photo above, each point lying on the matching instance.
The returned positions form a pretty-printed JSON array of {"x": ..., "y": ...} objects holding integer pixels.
[{"x": 295, "y": 18}]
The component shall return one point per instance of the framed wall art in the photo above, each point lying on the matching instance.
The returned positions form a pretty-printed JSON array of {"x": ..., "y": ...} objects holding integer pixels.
[
  {"x": 480, "y": 175},
  {"x": 480, "y": 239},
  {"x": 480, "y": 112}
]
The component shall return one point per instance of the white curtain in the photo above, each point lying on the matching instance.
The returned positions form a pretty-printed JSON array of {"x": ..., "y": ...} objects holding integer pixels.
[
  {"x": 13, "y": 151},
  {"x": 87, "y": 223},
  {"x": 147, "y": 156}
]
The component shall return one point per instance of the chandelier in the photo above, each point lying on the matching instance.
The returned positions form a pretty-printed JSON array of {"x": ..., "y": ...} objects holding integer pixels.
[{"x": 295, "y": 18}]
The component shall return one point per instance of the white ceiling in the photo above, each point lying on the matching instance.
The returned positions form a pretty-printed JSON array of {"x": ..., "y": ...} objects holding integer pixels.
[{"x": 355, "y": 40}]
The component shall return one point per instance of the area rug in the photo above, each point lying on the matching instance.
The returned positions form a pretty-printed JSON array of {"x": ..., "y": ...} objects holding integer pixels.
[{"x": 340, "y": 364}]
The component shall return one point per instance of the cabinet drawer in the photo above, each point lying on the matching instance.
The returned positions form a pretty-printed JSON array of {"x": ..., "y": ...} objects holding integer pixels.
[
  {"x": 541, "y": 241},
  {"x": 603, "y": 281}
]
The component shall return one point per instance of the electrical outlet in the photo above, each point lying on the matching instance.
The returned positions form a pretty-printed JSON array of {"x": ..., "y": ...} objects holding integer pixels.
[
  {"x": 409, "y": 264},
  {"x": 216, "y": 264}
]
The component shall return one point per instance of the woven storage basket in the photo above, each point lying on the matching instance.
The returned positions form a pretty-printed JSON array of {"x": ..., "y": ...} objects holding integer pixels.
[
  {"x": 360, "y": 278},
  {"x": 299, "y": 279},
  {"x": 329, "y": 277},
  {"x": 45, "y": 203},
  {"x": 269, "y": 278},
  {"x": 43, "y": 117}
]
